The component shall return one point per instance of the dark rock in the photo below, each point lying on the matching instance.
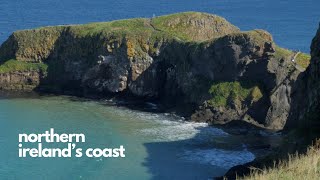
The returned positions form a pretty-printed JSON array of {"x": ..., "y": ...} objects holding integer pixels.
[{"x": 157, "y": 61}]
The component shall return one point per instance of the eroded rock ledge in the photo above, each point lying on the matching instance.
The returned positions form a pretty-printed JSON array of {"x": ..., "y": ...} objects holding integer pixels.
[{"x": 189, "y": 60}]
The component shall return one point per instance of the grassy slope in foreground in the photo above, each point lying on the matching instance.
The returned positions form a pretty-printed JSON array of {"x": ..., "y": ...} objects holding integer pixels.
[{"x": 298, "y": 167}]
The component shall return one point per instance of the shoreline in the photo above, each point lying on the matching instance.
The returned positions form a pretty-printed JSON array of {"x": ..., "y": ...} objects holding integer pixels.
[
  {"x": 245, "y": 131},
  {"x": 239, "y": 81}
]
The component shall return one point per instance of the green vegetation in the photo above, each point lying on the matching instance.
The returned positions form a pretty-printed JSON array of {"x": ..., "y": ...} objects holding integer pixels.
[
  {"x": 256, "y": 36},
  {"x": 185, "y": 26},
  {"x": 303, "y": 60},
  {"x": 175, "y": 25},
  {"x": 121, "y": 27},
  {"x": 182, "y": 26},
  {"x": 282, "y": 53},
  {"x": 233, "y": 91},
  {"x": 256, "y": 94},
  {"x": 297, "y": 167},
  {"x": 139, "y": 35},
  {"x": 14, "y": 65}
]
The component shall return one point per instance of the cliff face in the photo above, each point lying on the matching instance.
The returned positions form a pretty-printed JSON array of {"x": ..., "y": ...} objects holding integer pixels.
[
  {"x": 313, "y": 75},
  {"x": 308, "y": 98},
  {"x": 305, "y": 109},
  {"x": 19, "y": 80},
  {"x": 190, "y": 60}
]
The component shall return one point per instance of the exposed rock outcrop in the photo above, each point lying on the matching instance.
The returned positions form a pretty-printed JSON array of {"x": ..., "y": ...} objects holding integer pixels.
[
  {"x": 305, "y": 112},
  {"x": 303, "y": 120},
  {"x": 188, "y": 60},
  {"x": 25, "y": 80},
  {"x": 313, "y": 79}
]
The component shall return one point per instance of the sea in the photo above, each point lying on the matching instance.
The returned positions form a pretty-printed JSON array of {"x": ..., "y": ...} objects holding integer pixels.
[{"x": 157, "y": 145}]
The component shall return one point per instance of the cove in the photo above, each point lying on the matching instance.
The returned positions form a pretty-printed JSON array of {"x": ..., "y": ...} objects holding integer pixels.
[{"x": 158, "y": 145}]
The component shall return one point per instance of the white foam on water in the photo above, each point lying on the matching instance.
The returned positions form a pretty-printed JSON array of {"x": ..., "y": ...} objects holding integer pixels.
[
  {"x": 218, "y": 157},
  {"x": 168, "y": 128},
  {"x": 175, "y": 131},
  {"x": 197, "y": 133}
]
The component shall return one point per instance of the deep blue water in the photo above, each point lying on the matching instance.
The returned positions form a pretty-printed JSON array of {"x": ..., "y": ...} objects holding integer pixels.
[{"x": 293, "y": 23}]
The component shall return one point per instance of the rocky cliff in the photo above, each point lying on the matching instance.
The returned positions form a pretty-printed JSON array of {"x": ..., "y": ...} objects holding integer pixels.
[
  {"x": 306, "y": 113},
  {"x": 187, "y": 61},
  {"x": 303, "y": 124},
  {"x": 313, "y": 82}
]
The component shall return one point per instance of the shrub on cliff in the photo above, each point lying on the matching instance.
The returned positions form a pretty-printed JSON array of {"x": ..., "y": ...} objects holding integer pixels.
[{"x": 233, "y": 91}]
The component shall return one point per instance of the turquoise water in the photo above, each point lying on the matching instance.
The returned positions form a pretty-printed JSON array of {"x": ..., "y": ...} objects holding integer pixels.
[
  {"x": 158, "y": 146},
  {"x": 293, "y": 23}
]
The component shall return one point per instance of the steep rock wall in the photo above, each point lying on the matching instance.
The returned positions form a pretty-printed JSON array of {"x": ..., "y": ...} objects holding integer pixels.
[{"x": 306, "y": 107}]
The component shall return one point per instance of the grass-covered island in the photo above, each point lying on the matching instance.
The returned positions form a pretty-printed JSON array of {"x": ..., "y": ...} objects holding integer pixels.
[{"x": 195, "y": 64}]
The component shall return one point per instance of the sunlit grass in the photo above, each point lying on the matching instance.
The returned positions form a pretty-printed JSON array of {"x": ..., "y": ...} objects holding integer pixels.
[
  {"x": 300, "y": 167},
  {"x": 14, "y": 65}
]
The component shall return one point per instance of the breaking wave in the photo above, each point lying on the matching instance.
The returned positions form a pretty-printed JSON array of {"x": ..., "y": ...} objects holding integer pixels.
[{"x": 175, "y": 131}]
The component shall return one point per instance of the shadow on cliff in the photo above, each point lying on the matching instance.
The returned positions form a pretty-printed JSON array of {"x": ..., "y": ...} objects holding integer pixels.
[
  {"x": 67, "y": 62},
  {"x": 304, "y": 111}
]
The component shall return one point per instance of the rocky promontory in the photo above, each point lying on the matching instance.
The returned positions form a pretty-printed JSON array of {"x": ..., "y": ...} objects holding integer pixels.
[
  {"x": 195, "y": 63},
  {"x": 302, "y": 123}
]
